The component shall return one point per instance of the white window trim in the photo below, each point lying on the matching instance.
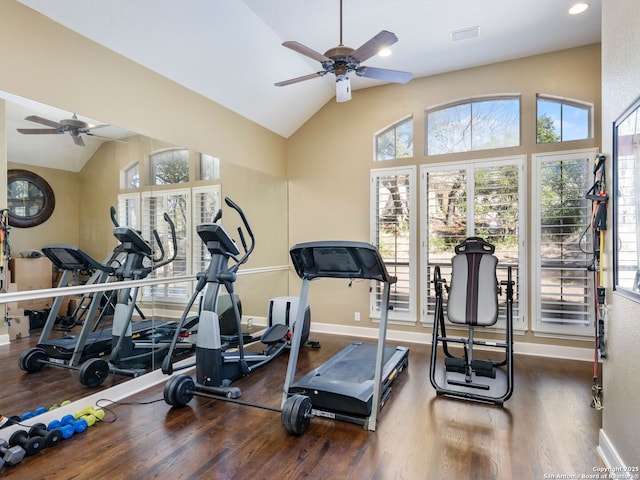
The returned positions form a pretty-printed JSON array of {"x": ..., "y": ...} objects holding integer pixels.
[
  {"x": 403, "y": 318},
  {"x": 195, "y": 239},
  {"x": 519, "y": 324},
  {"x": 539, "y": 329},
  {"x": 126, "y": 196},
  {"x": 145, "y": 297}
]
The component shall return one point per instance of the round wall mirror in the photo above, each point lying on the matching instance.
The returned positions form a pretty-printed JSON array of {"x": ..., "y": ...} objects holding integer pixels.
[{"x": 30, "y": 199}]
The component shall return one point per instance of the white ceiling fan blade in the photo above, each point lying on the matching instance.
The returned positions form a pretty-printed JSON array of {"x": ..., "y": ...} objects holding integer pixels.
[
  {"x": 107, "y": 138},
  {"x": 373, "y": 46},
  {"x": 343, "y": 90}
]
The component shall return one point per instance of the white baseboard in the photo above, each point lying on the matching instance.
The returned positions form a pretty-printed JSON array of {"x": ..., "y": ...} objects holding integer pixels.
[
  {"x": 4, "y": 339},
  {"x": 615, "y": 466},
  {"x": 522, "y": 348}
]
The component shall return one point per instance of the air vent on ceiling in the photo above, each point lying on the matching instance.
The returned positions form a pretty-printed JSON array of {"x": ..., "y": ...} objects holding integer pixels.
[{"x": 465, "y": 34}]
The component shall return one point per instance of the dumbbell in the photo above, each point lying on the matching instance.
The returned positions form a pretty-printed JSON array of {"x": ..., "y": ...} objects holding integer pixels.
[
  {"x": 67, "y": 431},
  {"x": 90, "y": 415},
  {"x": 31, "y": 445},
  {"x": 51, "y": 437},
  {"x": 78, "y": 426},
  {"x": 35, "y": 413},
  {"x": 53, "y": 407},
  {"x": 11, "y": 455}
]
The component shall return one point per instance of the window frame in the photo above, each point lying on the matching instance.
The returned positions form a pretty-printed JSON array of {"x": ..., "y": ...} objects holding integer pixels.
[
  {"x": 589, "y": 107},
  {"x": 394, "y": 126},
  {"x": 152, "y": 166},
  {"x": 470, "y": 101},
  {"x": 521, "y": 276},
  {"x": 548, "y": 329},
  {"x": 395, "y": 316}
]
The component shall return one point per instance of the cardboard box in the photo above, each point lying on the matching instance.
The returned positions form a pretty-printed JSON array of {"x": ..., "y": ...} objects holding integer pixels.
[
  {"x": 12, "y": 306},
  {"x": 31, "y": 271},
  {"x": 32, "y": 274},
  {"x": 18, "y": 327}
]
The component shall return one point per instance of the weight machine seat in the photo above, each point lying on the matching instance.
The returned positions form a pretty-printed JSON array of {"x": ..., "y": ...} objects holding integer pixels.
[{"x": 473, "y": 293}]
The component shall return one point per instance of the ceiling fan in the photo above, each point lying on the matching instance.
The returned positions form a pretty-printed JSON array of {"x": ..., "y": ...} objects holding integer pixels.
[
  {"x": 342, "y": 60},
  {"x": 74, "y": 126}
]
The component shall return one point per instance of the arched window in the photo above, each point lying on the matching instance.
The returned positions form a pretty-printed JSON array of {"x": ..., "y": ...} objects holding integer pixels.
[
  {"x": 562, "y": 120},
  {"x": 395, "y": 141},
  {"x": 478, "y": 124}
]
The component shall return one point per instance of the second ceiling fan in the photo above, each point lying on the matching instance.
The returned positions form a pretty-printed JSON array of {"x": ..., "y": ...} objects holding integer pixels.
[
  {"x": 74, "y": 126},
  {"x": 342, "y": 60}
]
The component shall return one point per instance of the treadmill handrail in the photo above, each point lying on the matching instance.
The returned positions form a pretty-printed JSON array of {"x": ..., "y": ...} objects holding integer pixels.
[
  {"x": 339, "y": 259},
  {"x": 85, "y": 261}
]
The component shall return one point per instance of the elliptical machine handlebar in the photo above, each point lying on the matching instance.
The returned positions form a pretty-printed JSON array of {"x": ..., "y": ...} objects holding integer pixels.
[
  {"x": 247, "y": 227},
  {"x": 172, "y": 228},
  {"x": 112, "y": 210}
]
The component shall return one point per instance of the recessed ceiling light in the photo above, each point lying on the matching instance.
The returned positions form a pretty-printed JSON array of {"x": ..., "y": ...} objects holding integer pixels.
[
  {"x": 578, "y": 8},
  {"x": 384, "y": 52}
]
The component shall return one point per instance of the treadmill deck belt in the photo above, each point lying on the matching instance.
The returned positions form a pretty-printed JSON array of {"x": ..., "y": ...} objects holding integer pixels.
[{"x": 344, "y": 384}]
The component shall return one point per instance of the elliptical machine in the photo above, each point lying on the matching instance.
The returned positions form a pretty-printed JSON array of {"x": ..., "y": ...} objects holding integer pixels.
[
  {"x": 217, "y": 368},
  {"x": 128, "y": 356}
]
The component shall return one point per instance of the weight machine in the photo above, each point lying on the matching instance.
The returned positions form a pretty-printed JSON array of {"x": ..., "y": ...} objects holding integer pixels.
[{"x": 472, "y": 302}]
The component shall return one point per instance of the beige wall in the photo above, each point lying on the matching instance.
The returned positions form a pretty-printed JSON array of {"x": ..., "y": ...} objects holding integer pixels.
[
  {"x": 620, "y": 88},
  {"x": 86, "y": 78},
  {"x": 330, "y": 157}
]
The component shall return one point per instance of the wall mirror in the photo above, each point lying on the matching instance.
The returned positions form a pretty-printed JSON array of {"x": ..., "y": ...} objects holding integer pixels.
[
  {"x": 30, "y": 199},
  {"x": 103, "y": 180},
  {"x": 626, "y": 203}
]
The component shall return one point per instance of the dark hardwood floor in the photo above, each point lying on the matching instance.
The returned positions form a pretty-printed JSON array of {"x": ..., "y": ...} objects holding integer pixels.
[{"x": 546, "y": 428}]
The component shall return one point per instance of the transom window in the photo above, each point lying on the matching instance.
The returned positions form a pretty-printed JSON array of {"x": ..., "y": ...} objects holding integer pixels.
[
  {"x": 562, "y": 120},
  {"x": 474, "y": 125},
  {"x": 169, "y": 167},
  {"x": 396, "y": 141}
]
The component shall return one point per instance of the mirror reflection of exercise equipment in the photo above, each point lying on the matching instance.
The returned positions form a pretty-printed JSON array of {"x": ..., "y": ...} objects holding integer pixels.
[
  {"x": 472, "y": 302},
  {"x": 134, "y": 346}
]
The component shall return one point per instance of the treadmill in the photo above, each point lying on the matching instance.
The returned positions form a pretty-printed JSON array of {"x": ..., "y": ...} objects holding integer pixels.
[
  {"x": 90, "y": 343},
  {"x": 354, "y": 384}
]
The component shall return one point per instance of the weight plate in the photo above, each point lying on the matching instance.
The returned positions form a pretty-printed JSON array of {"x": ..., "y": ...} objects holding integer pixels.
[
  {"x": 31, "y": 360},
  {"x": 178, "y": 391},
  {"x": 296, "y": 414},
  {"x": 169, "y": 391},
  {"x": 93, "y": 372}
]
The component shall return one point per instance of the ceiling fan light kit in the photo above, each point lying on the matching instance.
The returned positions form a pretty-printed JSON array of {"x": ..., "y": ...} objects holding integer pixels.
[{"x": 342, "y": 61}]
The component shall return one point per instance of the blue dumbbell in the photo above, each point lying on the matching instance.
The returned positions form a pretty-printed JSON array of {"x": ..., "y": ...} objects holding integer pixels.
[
  {"x": 79, "y": 426},
  {"x": 67, "y": 430}
]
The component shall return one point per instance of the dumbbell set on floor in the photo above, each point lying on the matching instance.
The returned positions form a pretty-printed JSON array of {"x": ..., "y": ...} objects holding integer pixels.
[
  {"x": 23, "y": 443},
  {"x": 13, "y": 419}
]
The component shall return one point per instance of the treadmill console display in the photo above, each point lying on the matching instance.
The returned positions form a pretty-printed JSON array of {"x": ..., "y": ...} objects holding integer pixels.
[
  {"x": 339, "y": 259},
  {"x": 69, "y": 257}
]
